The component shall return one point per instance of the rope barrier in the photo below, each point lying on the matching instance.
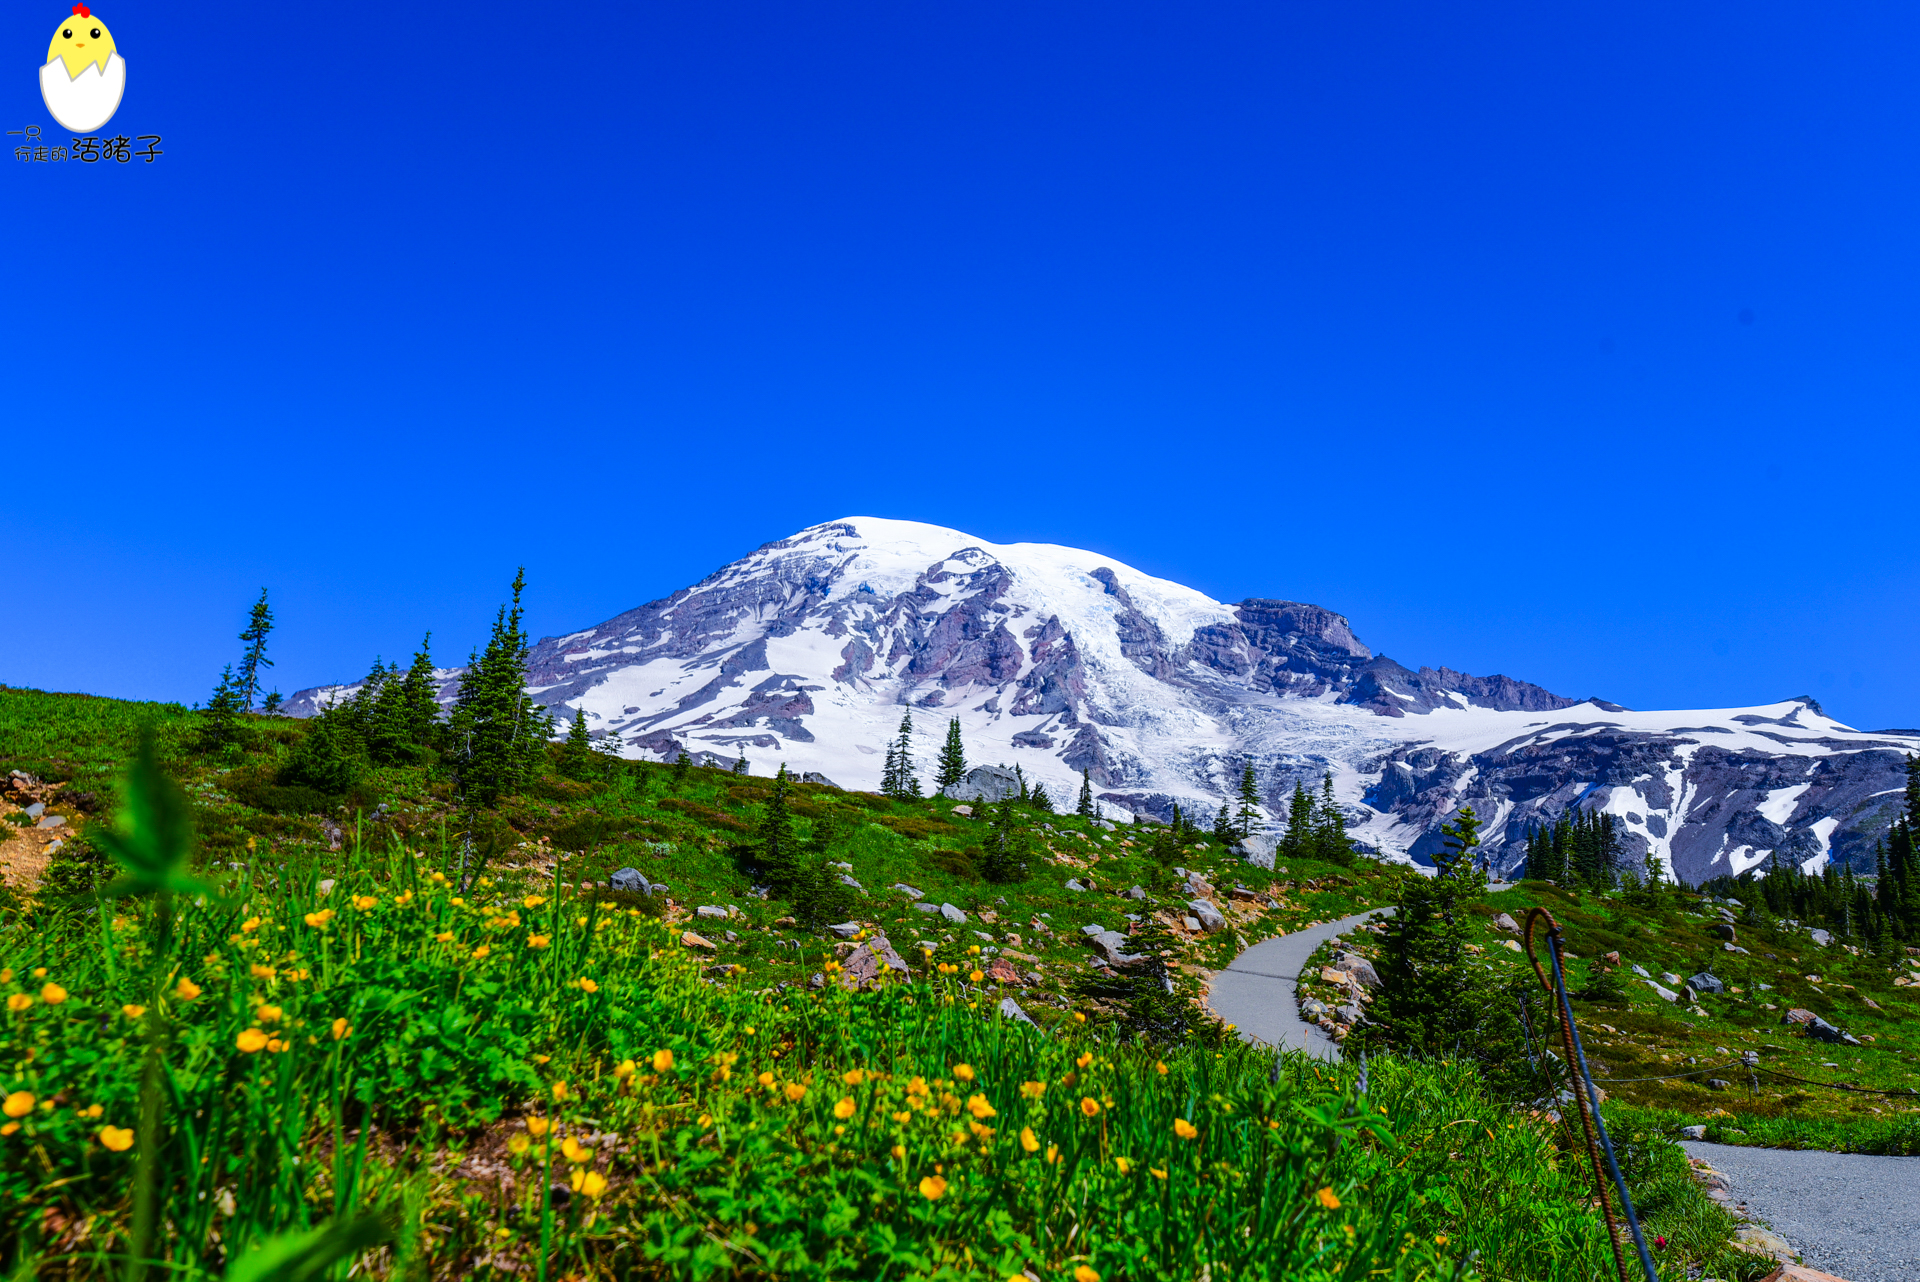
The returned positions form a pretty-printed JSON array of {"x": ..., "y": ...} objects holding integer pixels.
[{"x": 1583, "y": 1092}]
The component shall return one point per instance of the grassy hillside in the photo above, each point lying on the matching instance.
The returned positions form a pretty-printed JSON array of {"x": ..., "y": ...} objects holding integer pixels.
[{"x": 524, "y": 1074}]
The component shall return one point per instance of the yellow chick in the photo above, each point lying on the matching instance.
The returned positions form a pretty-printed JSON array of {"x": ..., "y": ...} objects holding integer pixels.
[
  {"x": 81, "y": 40},
  {"x": 84, "y": 76}
]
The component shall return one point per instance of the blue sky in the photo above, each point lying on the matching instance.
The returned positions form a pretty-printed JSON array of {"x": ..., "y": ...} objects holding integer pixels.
[{"x": 1576, "y": 344}]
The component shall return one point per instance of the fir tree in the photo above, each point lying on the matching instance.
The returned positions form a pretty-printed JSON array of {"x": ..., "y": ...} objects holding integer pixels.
[
  {"x": 953, "y": 758},
  {"x": 259, "y": 624},
  {"x": 220, "y": 722},
  {"x": 778, "y": 851},
  {"x": 496, "y": 734},
  {"x": 1249, "y": 801},
  {"x": 420, "y": 709},
  {"x": 271, "y": 707},
  {"x": 1039, "y": 800},
  {"x": 331, "y": 755},
  {"x": 1330, "y": 841},
  {"x": 898, "y": 779},
  {"x": 1148, "y": 999},
  {"x": 680, "y": 766},
  {"x": 1020, "y": 776},
  {"x": 609, "y": 746},
  {"x": 1298, "y": 841},
  {"x": 576, "y": 754},
  {"x": 1224, "y": 832},
  {"x": 1430, "y": 1004},
  {"x": 1006, "y": 846},
  {"x": 1085, "y": 809},
  {"x": 740, "y": 766}
]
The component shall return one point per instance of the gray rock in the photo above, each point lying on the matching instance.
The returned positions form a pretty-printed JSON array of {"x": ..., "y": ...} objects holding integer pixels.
[
  {"x": 1666, "y": 994},
  {"x": 1641, "y": 971},
  {"x": 909, "y": 891},
  {"x": 1011, "y": 1010},
  {"x": 814, "y": 776},
  {"x": 926, "y": 908},
  {"x": 37, "y": 809},
  {"x": 1210, "y": 917},
  {"x": 1716, "y": 1084},
  {"x": 713, "y": 912},
  {"x": 1257, "y": 849},
  {"x": 873, "y": 958},
  {"x": 1191, "y": 923},
  {"x": 326, "y": 887},
  {"x": 1706, "y": 982},
  {"x": 1075, "y": 886},
  {"x": 1313, "y": 1006},
  {"x": 1359, "y": 967},
  {"x": 52, "y": 821},
  {"x": 964, "y": 810},
  {"x": 1093, "y": 930},
  {"x": 1504, "y": 921},
  {"x": 1113, "y": 948},
  {"x": 848, "y": 881},
  {"x": 1668, "y": 977},
  {"x": 1108, "y": 824},
  {"x": 1724, "y": 930},
  {"x": 984, "y": 783},
  {"x": 1820, "y": 937},
  {"x": 1136, "y": 893},
  {"x": 952, "y": 914},
  {"x": 1350, "y": 1014},
  {"x": 1820, "y": 1028},
  {"x": 1693, "y": 1132},
  {"x": 630, "y": 879},
  {"x": 1735, "y": 948},
  {"x": 846, "y": 929}
]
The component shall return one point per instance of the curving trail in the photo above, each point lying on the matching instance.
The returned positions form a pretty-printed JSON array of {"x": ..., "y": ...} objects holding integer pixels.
[
  {"x": 1850, "y": 1214},
  {"x": 1256, "y": 993}
]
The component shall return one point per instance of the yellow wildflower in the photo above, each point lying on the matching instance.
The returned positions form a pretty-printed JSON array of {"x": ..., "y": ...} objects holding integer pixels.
[
  {"x": 1079, "y": 1018},
  {"x": 978, "y": 1106},
  {"x": 445, "y": 936},
  {"x": 903, "y": 1117},
  {"x": 899, "y": 1151},
  {"x": 18, "y": 1104},
  {"x": 268, "y": 1014},
  {"x": 118, "y": 1139},
  {"x": 1329, "y": 1199},
  {"x": 963, "y": 1072},
  {"x": 1160, "y": 1067},
  {"x": 588, "y": 986},
  {"x": 1084, "y": 1060},
  {"x": 133, "y": 1012},
  {"x": 796, "y": 1092},
  {"x": 537, "y": 1126},
  {"x": 481, "y": 951},
  {"x": 853, "y": 1077},
  {"x": 538, "y": 941},
  {"x": 533, "y": 901},
  {"x": 250, "y": 1040},
  {"x": 576, "y": 1153},
  {"x": 320, "y": 920},
  {"x": 627, "y": 1068},
  {"x": 53, "y": 994},
  {"x": 1185, "y": 1129},
  {"x": 186, "y": 989},
  {"x": 1032, "y": 1090},
  {"x": 1124, "y": 1165},
  {"x": 918, "y": 1086},
  {"x": 662, "y": 1059},
  {"x": 1084, "y": 1273},
  {"x": 559, "y": 1090},
  {"x": 1090, "y": 1106},
  {"x": 364, "y": 902},
  {"x": 19, "y": 1002},
  {"x": 250, "y": 924},
  {"x": 1156, "y": 1173},
  {"x": 844, "y": 1109},
  {"x": 265, "y": 973},
  {"x": 519, "y": 1145},
  {"x": 590, "y": 1183},
  {"x": 933, "y": 1188},
  {"x": 1028, "y": 1140},
  {"x": 765, "y": 1079},
  {"x": 341, "y": 1028}
]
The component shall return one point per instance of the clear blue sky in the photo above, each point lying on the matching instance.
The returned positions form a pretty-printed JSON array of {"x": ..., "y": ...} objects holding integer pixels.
[{"x": 1574, "y": 343}]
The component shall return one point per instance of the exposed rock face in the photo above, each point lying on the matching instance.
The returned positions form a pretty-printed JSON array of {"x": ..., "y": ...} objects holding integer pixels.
[{"x": 809, "y": 650}]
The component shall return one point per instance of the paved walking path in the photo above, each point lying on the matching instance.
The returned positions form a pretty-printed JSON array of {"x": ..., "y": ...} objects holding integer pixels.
[
  {"x": 1853, "y": 1215},
  {"x": 1257, "y": 992}
]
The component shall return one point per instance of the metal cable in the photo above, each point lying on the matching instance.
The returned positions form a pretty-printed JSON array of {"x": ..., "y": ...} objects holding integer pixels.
[{"x": 1583, "y": 1090}]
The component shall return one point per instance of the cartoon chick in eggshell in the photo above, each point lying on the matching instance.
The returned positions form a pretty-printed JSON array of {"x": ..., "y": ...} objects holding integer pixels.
[{"x": 84, "y": 76}]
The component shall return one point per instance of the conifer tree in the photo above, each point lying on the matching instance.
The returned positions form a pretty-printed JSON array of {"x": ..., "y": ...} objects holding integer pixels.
[
  {"x": 1085, "y": 808},
  {"x": 610, "y": 745},
  {"x": 1006, "y": 846},
  {"x": 259, "y": 624},
  {"x": 1429, "y": 1004},
  {"x": 953, "y": 758},
  {"x": 420, "y": 710},
  {"x": 1039, "y": 800},
  {"x": 496, "y": 734},
  {"x": 1021, "y": 777},
  {"x": 1298, "y": 840},
  {"x": 1249, "y": 801},
  {"x": 221, "y": 720},
  {"x": 1149, "y": 1002},
  {"x": 576, "y": 754},
  {"x": 331, "y": 755},
  {"x": 740, "y": 766},
  {"x": 271, "y": 706},
  {"x": 1330, "y": 828},
  {"x": 898, "y": 779},
  {"x": 680, "y": 766},
  {"x": 778, "y": 852},
  {"x": 1223, "y": 830}
]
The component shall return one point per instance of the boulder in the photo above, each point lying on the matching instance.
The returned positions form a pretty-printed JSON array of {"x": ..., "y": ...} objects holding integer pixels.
[
  {"x": 966, "y": 811},
  {"x": 909, "y": 891},
  {"x": 1798, "y": 1016},
  {"x": 873, "y": 958},
  {"x": 1191, "y": 923},
  {"x": 1001, "y": 971},
  {"x": 691, "y": 940},
  {"x": 630, "y": 879},
  {"x": 52, "y": 821},
  {"x": 1612, "y": 959},
  {"x": 984, "y": 783},
  {"x": 1821, "y": 1029},
  {"x": 848, "y": 881},
  {"x": 846, "y": 929},
  {"x": 926, "y": 908},
  {"x": 814, "y": 776},
  {"x": 1668, "y": 977},
  {"x": 1503, "y": 921},
  {"x": 1137, "y": 892},
  {"x": 1011, "y": 1010},
  {"x": 1640, "y": 970},
  {"x": 1820, "y": 937},
  {"x": 1706, "y": 982},
  {"x": 1693, "y": 1132},
  {"x": 1257, "y": 850},
  {"x": 1724, "y": 930},
  {"x": 713, "y": 912},
  {"x": 1113, "y": 947},
  {"x": 1359, "y": 967},
  {"x": 1350, "y": 1013},
  {"x": 1666, "y": 994},
  {"x": 952, "y": 914},
  {"x": 1757, "y": 1241},
  {"x": 1075, "y": 886},
  {"x": 1210, "y": 917},
  {"x": 37, "y": 809}
]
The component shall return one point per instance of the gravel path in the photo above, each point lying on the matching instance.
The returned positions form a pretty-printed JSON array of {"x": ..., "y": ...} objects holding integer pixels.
[
  {"x": 1849, "y": 1214},
  {"x": 1256, "y": 992}
]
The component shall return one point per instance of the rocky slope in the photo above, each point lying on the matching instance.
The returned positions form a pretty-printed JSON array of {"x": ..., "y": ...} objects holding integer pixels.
[{"x": 809, "y": 650}]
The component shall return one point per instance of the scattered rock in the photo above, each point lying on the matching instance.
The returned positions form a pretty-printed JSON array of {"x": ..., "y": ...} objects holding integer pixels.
[
  {"x": 1136, "y": 893},
  {"x": 1666, "y": 994},
  {"x": 630, "y": 879},
  {"x": 848, "y": 881},
  {"x": 869, "y": 961},
  {"x": 984, "y": 783},
  {"x": 1503, "y": 921},
  {"x": 1715, "y": 1084},
  {"x": 1706, "y": 982},
  {"x": 1640, "y": 971},
  {"x": 1668, "y": 977},
  {"x": 37, "y": 809},
  {"x": 1359, "y": 967},
  {"x": 52, "y": 821},
  {"x": 1612, "y": 959},
  {"x": 846, "y": 929},
  {"x": 964, "y": 810},
  {"x": 1011, "y": 1009},
  {"x": 909, "y": 891},
  {"x": 1693, "y": 1132},
  {"x": 1191, "y": 923},
  {"x": 1724, "y": 930},
  {"x": 692, "y": 940},
  {"x": 1821, "y": 937},
  {"x": 1820, "y": 1028},
  {"x": 1001, "y": 971},
  {"x": 1756, "y": 1241},
  {"x": 926, "y": 908},
  {"x": 818, "y": 981},
  {"x": 1075, "y": 886},
  {"x": 326, "y": 887},
  {"x": 1798, "y": 1016},
  {"x": 1210, "y": 918},
  {"x": 712, "y": 912},
  {"x": 952, "y": 914},
  {"x": 1799, "y": 1273}
]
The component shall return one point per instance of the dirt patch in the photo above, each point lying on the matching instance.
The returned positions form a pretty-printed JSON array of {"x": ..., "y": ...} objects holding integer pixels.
[{"x": 23, "y": 856}]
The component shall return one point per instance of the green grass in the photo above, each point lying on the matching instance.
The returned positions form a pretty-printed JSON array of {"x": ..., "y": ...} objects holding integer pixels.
[{"x": 529, "y": 1081}]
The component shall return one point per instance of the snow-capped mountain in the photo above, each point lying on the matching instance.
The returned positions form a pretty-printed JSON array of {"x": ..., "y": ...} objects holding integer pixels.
[{"x": 809, "y": 650}]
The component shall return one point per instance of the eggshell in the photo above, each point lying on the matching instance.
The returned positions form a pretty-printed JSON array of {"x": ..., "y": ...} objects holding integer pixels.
[{"x": 89, "y": 99}]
